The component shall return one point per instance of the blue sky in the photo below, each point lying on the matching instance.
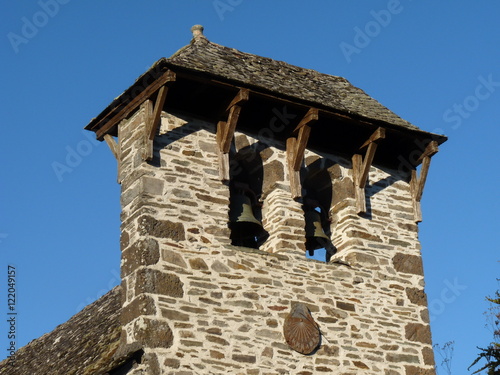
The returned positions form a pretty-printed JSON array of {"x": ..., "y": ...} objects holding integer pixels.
[{"x": 435, "y": 64}]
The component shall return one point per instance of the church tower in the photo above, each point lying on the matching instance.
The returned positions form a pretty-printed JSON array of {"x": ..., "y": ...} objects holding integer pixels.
[{"x": 234, "y": 170}]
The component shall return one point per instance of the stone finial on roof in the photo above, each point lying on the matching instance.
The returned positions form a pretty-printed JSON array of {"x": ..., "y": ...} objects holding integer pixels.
[{"x": 197, "y": 31}]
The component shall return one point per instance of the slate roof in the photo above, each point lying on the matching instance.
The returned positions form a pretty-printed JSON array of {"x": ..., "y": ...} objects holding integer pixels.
[
  {"x": 278, "y": 78},
  {"x": 281, "y": 78},
  {"x": 84, "y": 345}
]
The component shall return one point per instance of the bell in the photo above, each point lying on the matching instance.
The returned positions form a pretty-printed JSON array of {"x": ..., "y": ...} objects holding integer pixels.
[
  {"x": 242, "y": 222},
  {"x": 315, "y": 235}
]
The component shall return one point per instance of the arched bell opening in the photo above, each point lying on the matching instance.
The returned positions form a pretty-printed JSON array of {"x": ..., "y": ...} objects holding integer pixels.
[
  {"x": 245, "y": 215},
  {"x": 316, "y": 204}
]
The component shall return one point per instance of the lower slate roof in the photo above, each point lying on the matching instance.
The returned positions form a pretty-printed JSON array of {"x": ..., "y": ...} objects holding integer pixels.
[{"x": 84, "y": 345}]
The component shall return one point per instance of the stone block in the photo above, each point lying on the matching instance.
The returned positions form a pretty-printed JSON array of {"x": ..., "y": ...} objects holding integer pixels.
[
  {"x": 273, "y": 172},
  {"x": 417, "y": 296},
  {"x": 346, "y": 306},
  {"x": 143, "y": 305},
  {"x": 418, "y": 332},
  {"x": 174, "y": 315},
  {"x": 400, "y": 357},
  {"x": 408, "y": 263},
  {"x": 218, "y": 266},
  {"x": 153, "y": 333},
  {"x": 141, "y": 253},
  {"x": 198, "y": 264},
  {"x": 157, "y": 282},
  {"x": 173, "y": 258},
  {"x": 244, "y": 358},
  {"x": 161, "y": 228},
  {"x": 172, "y": 362},
  {"x": 361, "y": 259},
  {"x": 428, "y": 355},
  {"x": 342, "y": 189},
  {"x": 153, "y": 186},
  {"x": 124, "y": 240}
]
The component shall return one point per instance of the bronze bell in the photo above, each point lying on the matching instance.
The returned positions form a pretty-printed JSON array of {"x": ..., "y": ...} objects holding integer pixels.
[
  {"x": 315, "y": 235},
  {"x": 242, "y": 221}
]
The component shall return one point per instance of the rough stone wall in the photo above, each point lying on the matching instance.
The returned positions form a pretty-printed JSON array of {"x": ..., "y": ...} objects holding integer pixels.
[{"x": 198, "y": 305}]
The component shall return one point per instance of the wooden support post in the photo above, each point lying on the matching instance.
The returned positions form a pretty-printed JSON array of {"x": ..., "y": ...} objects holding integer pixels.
[
  {"x": 361, "y": 168},
  {"x": 226, "y": 129},
  {"x": 295, "y": 149},
  {"x": 417, "y": 183}
]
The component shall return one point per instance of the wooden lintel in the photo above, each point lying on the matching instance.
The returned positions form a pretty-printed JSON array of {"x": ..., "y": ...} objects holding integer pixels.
[
  {"x": 430, "y": 150},
  {"x": 113, "y": 146},
  {"x": 106, "y": 124}
]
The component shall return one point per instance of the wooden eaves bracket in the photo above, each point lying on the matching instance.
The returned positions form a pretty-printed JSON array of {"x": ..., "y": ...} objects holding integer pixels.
[
  {"x": 226, "y": 129},
  {"x": 153, "y": 115},
  {"x": 113, "y": 146},
  {"x": 417, "y": 183},
  {"x": 106, "y": 123},
  {"x": 361, "y": 168},
  {"x": 295, "y": 149}
]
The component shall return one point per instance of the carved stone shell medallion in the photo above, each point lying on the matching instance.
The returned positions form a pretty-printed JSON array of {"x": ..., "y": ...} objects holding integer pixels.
[{"x": 301, "y": 331}]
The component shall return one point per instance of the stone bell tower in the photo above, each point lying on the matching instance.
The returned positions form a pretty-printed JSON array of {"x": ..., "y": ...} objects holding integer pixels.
[{"x": 232, "y": 167}]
